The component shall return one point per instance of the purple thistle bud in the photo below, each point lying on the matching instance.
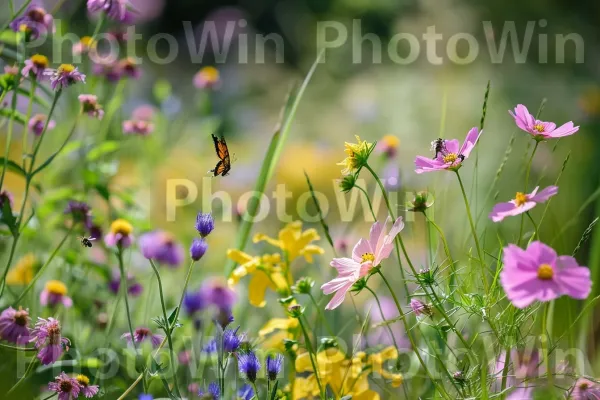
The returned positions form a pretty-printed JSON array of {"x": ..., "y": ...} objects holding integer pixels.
[
  {"x": 142, "y": 334},
  {"x": 37, "y": 123},
  {"x": 198, "y": 248},
  {"x": 193, "y": 302},
  {"x": 231, "y": 340},
  {"x": 249, "y": 366},
  {"x": 90, "y": 106},
  {"x": 213, "y": 392},
  {"x": 274, "y": 365},
  {"x": 205, "y": 223},
  {"x": 80, "y": 212}
]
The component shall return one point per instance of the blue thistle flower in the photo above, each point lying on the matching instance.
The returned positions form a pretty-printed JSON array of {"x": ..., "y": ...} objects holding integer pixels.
[
  {"x": 249, "y": 366},
  {"x": 214, "y": 392},
  {"x": 246, "y": 392},
  {"x": 231, "y": 340},
  {"x": 193, "y": 302},
  {"x": 198, "y": 249},
  {"x": 211, "y": 347},
  {"x": 274, "y": 365},
  {"x": 205, "y": 223}
]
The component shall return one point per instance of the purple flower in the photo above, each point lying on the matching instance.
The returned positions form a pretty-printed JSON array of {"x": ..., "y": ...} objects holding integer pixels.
[
  {"x": 420, "y": 308},
  {"x": 231, "y": 340},
  {"x": 537, "y": 273},
  {"x": 114, "y": 9},
  {"x": 137, "y": 127},
  {"x": 80, "y": 212},
  {"x": 134, "y": 288},
  {"x": 35, "y": 66},
  {"x": 111, "y": 71},
  {"x": 162, "y": 247},
  {"x": 274, "y": 365},
  {"x": 584, "y": 389},
  {"x": 207, "y": 78},
  {"x": 64, "y": 76},
  {"x": 14, "y": 325},
  {"x": 87, "y": 390},
  {"x": 198, "y": 248},
  {"x": 143, "y": 113},
  {"x": 246, "y": 392},
  {"x": 54, "y": 293},
  {"x": 218, "y": 294},
  {"x": 449, "y": 155},
  {"x": 141, "y": 334},
  {"x": 249, "y": 366},
  {"x": 120, "y": 234},
  {"x": 213, "y": 392},
  {"x": 130, "y": 68},
  {"x": 205, "y": 223},
  {"x": 37, "y": 124},
  {"x": 48, "y": 339},
  {"x": 521, "y": 203},
  {"x": 539, "y": 129},
  {"x": 90, "y": 106},
  {"x": 144, "y": 396},
  {"x": 67, "y": 388},
  {"x": 36, "y": 21},
  {"x": 193, "y": 302}
]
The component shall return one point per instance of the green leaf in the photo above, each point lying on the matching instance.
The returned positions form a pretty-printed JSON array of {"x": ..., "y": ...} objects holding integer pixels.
[
  {"x": 8, "y": 218},
  {"x": 15, "y": 115},
  {"x": 13, "y": 166},
  {"x": 172, "y": 316},
  {"x": 321, "y": 217},
  {"x": 9, "y": 37},
  {"x": 162, "y": 90},
  {"x": 53, "y": 156},
  {"x": 102, "y": 149},
  {"x": 274, "y": 392},
  {"x": 103, "y": 191}
]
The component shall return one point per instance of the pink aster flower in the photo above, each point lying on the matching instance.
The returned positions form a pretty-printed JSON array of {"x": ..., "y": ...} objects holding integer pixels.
[
  {"x": 141, "y": 334},
  {"x": 109, "y": 70},
  {"x": 539, "y": 129},
  {"x": 14, "y": 325},
  {"x": 162, "y": 247},
  {"x": 584, "y": 389},
  {"x": 54, "y": 293},
  {"x": 64, "y": 76},
  {"x": 35, "y": 21},
  {"x": 48, "y": 339},
  {"x": 138, "y": 127},
  {"x": 87, "y": 390},
  {"x": 365, "y": 255},
  {"x": 67, "y": 388},
  {"x": 521, "y": 203},
  {"x": 537, "y": 273},
  {"x": 449, "y": 155},
  {"x": 35, "y": 66},
  {"x": 90, "y": 106},
  {"x": 38, "y": 122},
  {"x": 420, "y": 308}
]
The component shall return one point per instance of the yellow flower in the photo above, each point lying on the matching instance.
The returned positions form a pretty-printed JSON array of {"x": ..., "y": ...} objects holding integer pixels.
[
  {"x": 265, "y": 271},
  {"x": 294, "y": 242},
  {"x": 376, "y": 363},
  {"x": 390, "y": 141},
  {"x": 23, "y": 272},
  {"x": 56, "y": 287},
  {"x": 121, "y": 226},
  {"x": 357, "y": 153},
  {"x": 276, "y": 331}
]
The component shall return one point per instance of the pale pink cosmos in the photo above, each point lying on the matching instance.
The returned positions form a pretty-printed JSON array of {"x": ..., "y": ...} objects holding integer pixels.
[
  {"x": 365, "y": 255},
  {"x": 521, "y": 203},
  {"x": 540, "y": 130},
  {"x": 450, "y": 155},
  {"x": 584, "y": 389},
  {"x": 539, "y": 274}
]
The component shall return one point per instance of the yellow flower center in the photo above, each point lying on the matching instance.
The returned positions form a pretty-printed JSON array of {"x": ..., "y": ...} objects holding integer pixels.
[
  {"x": 211, "y": 74},
  {"x": 583, "y": 386},
  {"x": 391, "y": 141},
  {"x": 87, "y": 41},
  {"x": 520, "y": 199},
  {"x": 121, "y": 226},
  {"x": 24, "y": 28},
  {"x": 450, "y": 158},
  {"x": 545, "y": 272},
  {"x": 56, "y": 287},
  {"x": 66, "y": 68},
  {"x": 538, "y": 128},
  {"x": 83, "y": 380},
  {"x": 367, "y": 257},
  {"x": 40, "y": 60}
]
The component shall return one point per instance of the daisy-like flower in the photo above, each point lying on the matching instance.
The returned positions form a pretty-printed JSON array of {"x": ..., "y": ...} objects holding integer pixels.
[
  {"x": 35, "y": 22},
  {"x": 14, "y": 325},
  {"x": 207, "y": 78},
  {"x": 137, "y": 127},
  {"x": 537, "y": 273},
  {"x": 141, "y": 334},
  {"x": 357, "y": 155},
  {"x": 540, "y": 130},
  {"x": 67, "y": 388},
  {"x": 54, "y": 293},
  {"x": 213, "y": 392},
  {"x": 161, "y": 247},
  {"x": 90, "y": 106},
  {"x": 37, "y": 123},
  {"x": 84, "y": 45},
  {"x": 120, "y": 234},
  {"x": 522, "y": 203},
  {"x": 366, "y": 255},
  {"x": 23, "y": 272},
  {"x": 35, "y": 66},
  {"x": 134, "y": 288},
  {"x": 388, "y": 145},
  {"x": 64, "y": 76},
  {"x": 114, "y": 9},
  {"x": 420, "y": 308},
  {"x": 130, "y": 68},
  {"x": 449, "y": 155},
  {"x": 249, "y": 365},
  {"x": 87, "y": 390},
  {"x": 48, "y": 339},
  {"x": 584, "y": 389}
]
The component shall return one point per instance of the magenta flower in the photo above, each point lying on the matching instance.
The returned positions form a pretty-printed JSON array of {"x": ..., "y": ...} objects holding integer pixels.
[
  {"x": 538, "y": 274},
  {"x": 90, "y": 106},
  {"x": 145, "y": 112},
  {"x": 67, "y": 388},
  {"x": 134, "y": 288},
  {"x": 38, "y": 122},
  {"x": 365, "y": 255},
  {"x": 138, "y": 127},
  {"x": 420, "y": 308},
  {"x": 14, "y": 325},
  {"x": 521, "y": 203},
  {"x": 539, "y": 129},
  {"x": 449, "y": 155},
  {"x": 162, "y": 247},
  {"x": 141, "y": 334},
  {"x": 114, "y": 9},
  {"x": 36, "y": 21},
  {"x": 47, "y": 337},
  {"x": 87, "y": 390},
  {"x": 64, "y": 76},
  {"x": 584, "y": 389},
  {"x": 35, "y": 66}
]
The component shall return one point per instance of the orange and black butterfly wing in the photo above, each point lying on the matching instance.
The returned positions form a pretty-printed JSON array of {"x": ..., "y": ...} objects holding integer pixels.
[{"x": 224, "y": 165}]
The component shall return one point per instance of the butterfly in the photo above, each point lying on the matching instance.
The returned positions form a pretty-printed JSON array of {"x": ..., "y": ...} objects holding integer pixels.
[{"x": 224, "y": 165}]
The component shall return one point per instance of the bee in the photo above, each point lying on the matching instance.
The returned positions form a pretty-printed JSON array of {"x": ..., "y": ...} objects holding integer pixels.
[
  {"x": 86, "y": 241},
  {"x": 438, "y": 146}
]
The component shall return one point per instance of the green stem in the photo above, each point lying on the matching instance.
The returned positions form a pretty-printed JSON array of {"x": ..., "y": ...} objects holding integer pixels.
[
  {"x": 368, "y": 201},
  {"x": 546, "y": 344},
  {"x": 383, "y": 319},
  {"x": 527, "y": 173},
  {"x": 6, "y": 346},
  {"x": 312, "y": 356},
  {"x": 321, "y": 315},
  {"x": 535, "y": 226},
  {"x": 124, "y": 294},
  {"x": 27, "y": 118},
  {"x": 444, "y": 241},
  {"x": 505, "y": 371},
  {"x": 30, "y": 367},
  {"x": 11, "y": 124},
  {"x": 185, "y": 285},
  {"x": 255, "y": 390},
  {"x": 167, "y": 328},
  {"x": 473, "y": 231}
]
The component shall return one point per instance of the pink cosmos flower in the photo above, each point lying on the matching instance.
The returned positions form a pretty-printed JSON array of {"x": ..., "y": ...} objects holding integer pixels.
[
  {"x": 365, "y": 255},
  {"x": 449, "y": 155},
  {"x": 539, "y": 129},
  {"x": 67, "y": 388},
  {"x": 47, "y": 337},
  {"x": 521, "y": 203},
  {"x": 539, "y": 274},
  {"x": 584, "y": 389}
]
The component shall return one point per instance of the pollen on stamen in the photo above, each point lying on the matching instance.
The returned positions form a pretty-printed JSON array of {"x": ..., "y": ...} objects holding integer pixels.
[
  {"x": 450, "y": 158},
  {"x": 367, "y": 257},
  {"x": 538, "y": 128},
  {"x": 520, "y": 199},
  {"x": 545, "y": 272}
]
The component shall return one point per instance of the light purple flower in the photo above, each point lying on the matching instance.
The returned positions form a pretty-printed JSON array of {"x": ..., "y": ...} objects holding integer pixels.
[
  {"x": 521, "y": 203},
  {"x": 87, "y": 390},
  {"x": 38, "y": 122},
  {"x": 162, "y": 247},
  {"x": 218, "y": 294},
  {"x": 48, "y": 339},
  {"x": 14, "y": 325},
  {"x": 584, "y": 389},
  {"x": 539, "y": 129},
  {"x": 449, "y": 154},
  {"x": 420, "y": 308},
  {"x": 36, "y": 21},
  {"x": 90, "y": 106},
  {"x": 134, "y": 288},
  {"x": 67, "y": 388},
  {"x": 539, "y": 274},
  {"x": 111, "y": 71},
  {"x": 365, "y": 255},
  {"x": 55, "y": 293},
  {"x": 138, "y": 127},
  {"x": 114, "y": 9},
  {"x": 144, "y": 112},
  {"x": 198, "y": 248},
  {"x": 141, "y": 334},
  {"x": 130, "y": 68},
  {"x": 35, "y": 67},
  {"x": 64, "y": 76}
]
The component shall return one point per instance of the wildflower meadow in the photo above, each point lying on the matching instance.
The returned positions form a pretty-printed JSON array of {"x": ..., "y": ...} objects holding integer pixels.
[{"x": 295, "y": 221}]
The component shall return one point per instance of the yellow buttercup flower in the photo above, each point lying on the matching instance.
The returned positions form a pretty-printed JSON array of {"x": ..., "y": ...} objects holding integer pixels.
[
  {"x": 357, "y": 155},
  {"x": 276, "y": 331},
  {"x": 265, "y": 270},
  {"x": 23, "y": 272},
  {"x": 294, "y": 242}
]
